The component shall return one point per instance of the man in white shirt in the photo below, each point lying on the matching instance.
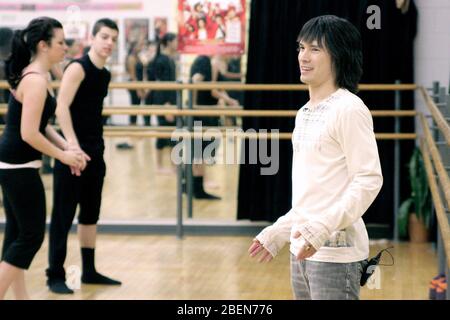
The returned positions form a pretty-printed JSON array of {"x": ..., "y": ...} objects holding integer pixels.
[{"x": 336, "y": 172}]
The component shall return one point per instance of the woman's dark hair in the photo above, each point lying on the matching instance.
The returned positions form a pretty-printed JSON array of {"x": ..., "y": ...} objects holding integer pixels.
[
  {"x": 24, "y": 46},
  {"x": 164, "y": 41},
  {"x": 343, "y": 41}
]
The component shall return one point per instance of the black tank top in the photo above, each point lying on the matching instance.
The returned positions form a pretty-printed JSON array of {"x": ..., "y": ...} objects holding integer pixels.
[
  {"x": 165, "y": 70},
  {"x": 87, "y": 106},
  {"x": 13, "y": 149},
  {"x": 202, "y": 65}
]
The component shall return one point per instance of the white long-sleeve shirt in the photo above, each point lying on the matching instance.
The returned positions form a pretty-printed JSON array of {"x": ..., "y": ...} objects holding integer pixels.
[{"x": 336, "y": 175}]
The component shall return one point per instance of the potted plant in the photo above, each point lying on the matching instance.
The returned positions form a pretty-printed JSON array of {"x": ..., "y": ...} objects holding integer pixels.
[{"x": 415, "y": 212}]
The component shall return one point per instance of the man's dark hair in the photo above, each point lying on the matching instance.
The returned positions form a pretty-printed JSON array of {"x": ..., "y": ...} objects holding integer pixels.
[
  {"x": 105, "y": 22},
  {"x": 343, "y": 41}
]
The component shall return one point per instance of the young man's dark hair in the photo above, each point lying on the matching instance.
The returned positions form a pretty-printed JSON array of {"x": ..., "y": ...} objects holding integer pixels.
[
  {"x": 105, "y": 22},
  {"x": 343, "y": 42}
]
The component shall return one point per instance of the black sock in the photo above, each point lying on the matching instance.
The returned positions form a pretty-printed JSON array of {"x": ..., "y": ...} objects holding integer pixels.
[
  {"x": 59, "y": 286},
  {"x": 90, "y": 274},
  {"x": 199, "y": 192}
]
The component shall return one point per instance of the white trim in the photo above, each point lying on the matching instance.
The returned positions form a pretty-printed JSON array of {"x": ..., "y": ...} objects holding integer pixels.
[{"x": 35, "y": 164}]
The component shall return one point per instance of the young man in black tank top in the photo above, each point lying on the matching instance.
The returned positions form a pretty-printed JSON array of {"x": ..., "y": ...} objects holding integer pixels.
[{"x": 79, "y": 110}]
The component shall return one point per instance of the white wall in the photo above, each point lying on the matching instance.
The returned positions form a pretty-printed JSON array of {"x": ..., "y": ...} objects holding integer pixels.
[{"x": 432, "y": 46}]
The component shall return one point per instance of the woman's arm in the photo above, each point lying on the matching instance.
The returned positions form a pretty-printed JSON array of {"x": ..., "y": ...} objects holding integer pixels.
[
  {"x": 34, "y": 88},
  {"x": 55, "y": 138}
]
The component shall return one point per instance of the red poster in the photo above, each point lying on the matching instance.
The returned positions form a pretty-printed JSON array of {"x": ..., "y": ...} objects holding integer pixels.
[{"x": 211, "y": 26}]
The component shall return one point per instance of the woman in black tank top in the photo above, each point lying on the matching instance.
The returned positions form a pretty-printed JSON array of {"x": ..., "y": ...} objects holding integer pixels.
[{"x": 25, "y": 138}]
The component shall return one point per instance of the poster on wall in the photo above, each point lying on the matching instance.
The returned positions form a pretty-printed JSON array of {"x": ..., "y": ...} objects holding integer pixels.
[
  {"x": 76, "y": 31},
  {"x": 136, "y": 31},
  {"x": 211, "y": 26}
]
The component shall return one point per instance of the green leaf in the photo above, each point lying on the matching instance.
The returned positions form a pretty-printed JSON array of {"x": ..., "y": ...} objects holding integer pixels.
[
  {"x": 403, "y": 217},
  {"x": 420, "y": 193}
]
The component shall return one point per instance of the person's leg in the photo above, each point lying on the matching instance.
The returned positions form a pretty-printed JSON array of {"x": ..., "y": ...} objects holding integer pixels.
[
  {"x": 25, "y": 198},
  {"x": 11, "y": 233},
  {"x": 210, "y": 160},
  {"x": 19, "y": 288},
  {"x": 299, "y": 281},
  {"x": 162, "y": 143},
  {"x": 90, "y": 203},
  {"x": 198, "y": 172},
  {"x": 148, "y": 101},
  {"x": 8, "y": 274},
  {"x": 65, "y": 199},
  {"x": 334, "y": 281},
  {"x": 159, "y": 155},
  {"x": 11, "y": 226},
  {"x": 135, "y": 101}
]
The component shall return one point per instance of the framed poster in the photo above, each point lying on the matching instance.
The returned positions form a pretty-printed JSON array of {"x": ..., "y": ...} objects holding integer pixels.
[
  {"x": 76, "y": 31},
  {"x": 211, "y": 26}
]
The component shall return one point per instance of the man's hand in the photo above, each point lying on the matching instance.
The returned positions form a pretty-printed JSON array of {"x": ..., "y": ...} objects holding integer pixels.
[
  {"x": 305, "y": 249},
  {"x": 257, "y": 248}
]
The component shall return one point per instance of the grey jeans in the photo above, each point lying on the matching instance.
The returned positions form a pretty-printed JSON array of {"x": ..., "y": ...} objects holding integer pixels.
[{"x": 313, "y": 280}]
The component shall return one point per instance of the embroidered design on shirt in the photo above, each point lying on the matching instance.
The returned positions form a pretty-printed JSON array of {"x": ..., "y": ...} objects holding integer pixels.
[
  {"x": 310, "y": 128},
  {"x": 310, "y": 125}
]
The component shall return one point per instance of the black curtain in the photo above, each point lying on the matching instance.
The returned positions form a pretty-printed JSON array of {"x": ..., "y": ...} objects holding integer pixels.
[{"x": 272, "y": 58}]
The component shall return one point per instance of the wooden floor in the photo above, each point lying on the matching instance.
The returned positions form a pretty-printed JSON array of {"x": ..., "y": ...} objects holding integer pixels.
[{"x": 162, "y": 267}]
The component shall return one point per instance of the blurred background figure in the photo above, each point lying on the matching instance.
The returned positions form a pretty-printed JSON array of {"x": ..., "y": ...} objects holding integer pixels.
[
  {"x": 149, "y": 74},
  {"x": 227, "y": 68},
  {"x": 6, "y": 35},
  {"x": 134, "y": 65},
  {"x": 165, "y": 70}
]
